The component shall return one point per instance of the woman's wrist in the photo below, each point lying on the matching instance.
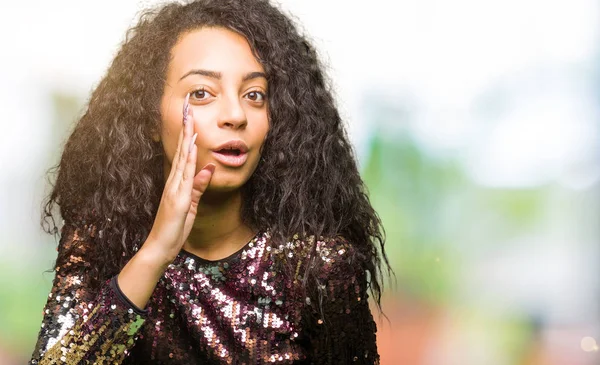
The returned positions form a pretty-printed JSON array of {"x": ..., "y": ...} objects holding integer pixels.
[{"x": 153, "y": 255}]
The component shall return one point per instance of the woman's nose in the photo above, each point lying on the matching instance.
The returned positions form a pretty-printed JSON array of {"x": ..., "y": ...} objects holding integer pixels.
[{"x": 232, "y": 114}]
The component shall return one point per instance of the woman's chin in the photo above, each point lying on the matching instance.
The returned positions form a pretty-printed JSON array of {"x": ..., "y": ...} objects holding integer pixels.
[
  {"x": 228, "y": 180},
  {"x": 217, "y": 186}
]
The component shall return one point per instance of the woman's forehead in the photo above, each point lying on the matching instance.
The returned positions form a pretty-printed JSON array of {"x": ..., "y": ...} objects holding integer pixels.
[{"x": 215, "y": 49}]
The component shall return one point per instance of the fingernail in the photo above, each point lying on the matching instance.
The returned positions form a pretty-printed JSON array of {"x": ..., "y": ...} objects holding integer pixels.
[
  {"x": 210, "y": 167},
  {"x": 186, "y": 108},
  {"x": 192, "y": 142}
]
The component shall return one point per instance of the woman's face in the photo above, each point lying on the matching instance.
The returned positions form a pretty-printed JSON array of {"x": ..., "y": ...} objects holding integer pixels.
[{"x": 228, "y": 91}]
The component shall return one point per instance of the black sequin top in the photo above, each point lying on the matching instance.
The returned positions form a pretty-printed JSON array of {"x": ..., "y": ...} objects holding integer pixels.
[{"x": 239, "y": 310}]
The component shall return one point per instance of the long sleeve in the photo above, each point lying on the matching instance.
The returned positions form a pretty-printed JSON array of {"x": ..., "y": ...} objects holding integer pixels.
[
  {"x": 344, "y": 332},
  {"x": 81, "y": 327}
]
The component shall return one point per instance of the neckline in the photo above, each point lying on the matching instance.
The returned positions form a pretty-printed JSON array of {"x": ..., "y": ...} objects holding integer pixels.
[{"x": 225, "y": 259}]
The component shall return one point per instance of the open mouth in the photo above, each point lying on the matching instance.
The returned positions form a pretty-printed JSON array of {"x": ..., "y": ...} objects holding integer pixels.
[
  {"x": 233, "y": 153},
  {"x": 230, "y": 151}
]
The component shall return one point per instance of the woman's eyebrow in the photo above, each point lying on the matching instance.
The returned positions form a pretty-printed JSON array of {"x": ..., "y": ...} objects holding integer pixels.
[{"x": 217, "y": 75}]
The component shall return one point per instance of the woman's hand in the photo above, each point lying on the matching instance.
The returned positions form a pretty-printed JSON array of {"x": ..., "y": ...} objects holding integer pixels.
[{"x": 181, "y": 195}]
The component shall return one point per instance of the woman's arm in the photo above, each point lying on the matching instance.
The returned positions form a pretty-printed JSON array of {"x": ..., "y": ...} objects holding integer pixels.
[
  {"x": 344, "y": 332},
  {"x": 83, "y": 327}
]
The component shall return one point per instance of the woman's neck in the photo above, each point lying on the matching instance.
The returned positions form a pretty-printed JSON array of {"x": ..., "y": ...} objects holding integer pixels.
[{"x": 218, "y": 230}]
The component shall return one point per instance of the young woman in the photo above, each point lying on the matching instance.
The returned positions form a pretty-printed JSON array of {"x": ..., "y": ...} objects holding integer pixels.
[{"x": 213, "y": 211}]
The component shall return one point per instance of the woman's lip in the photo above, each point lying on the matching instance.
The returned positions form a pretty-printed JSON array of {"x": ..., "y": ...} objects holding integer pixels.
[{"x": 231, "y": 160}]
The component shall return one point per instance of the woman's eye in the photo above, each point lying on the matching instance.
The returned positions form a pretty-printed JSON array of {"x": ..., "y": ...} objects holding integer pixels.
[
  {"x": 256, "y": 96},
  {"x": 200, "y": 94}
]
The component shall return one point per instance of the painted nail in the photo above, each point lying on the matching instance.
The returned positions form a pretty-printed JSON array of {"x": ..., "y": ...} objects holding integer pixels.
[
  {"x": 186, "y": 108},
  {"x": 192, "y": 142}
]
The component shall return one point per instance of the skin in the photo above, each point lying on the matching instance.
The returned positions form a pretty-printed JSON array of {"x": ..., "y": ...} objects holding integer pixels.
[
  {"x": 231, "y": 106},
  {"x": 200, "y": 209}
]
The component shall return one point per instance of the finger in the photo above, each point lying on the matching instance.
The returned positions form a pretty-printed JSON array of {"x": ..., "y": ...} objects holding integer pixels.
[
  {"x": 190, "y": 167},
  {"x": 179, "y": 160},
  {"x": 180, "y": 140},
  {"x": 201, "y": 181},
  {"x": 176, "y": 156},
  {"x": 188, "y": 127}
]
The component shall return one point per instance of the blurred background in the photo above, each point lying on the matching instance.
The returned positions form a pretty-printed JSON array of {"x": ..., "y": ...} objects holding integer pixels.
[{"x": 476, "y": 127}]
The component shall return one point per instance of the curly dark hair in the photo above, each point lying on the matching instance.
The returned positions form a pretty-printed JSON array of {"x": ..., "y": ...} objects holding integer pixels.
[{"x": 110, "y": 176}]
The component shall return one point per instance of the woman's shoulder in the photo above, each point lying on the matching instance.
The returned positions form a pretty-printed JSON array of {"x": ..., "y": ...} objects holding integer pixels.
[{"x": 325, "y": 255}]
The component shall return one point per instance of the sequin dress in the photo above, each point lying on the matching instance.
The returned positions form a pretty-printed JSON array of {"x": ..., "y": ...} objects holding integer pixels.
[{"x": 238, "y": 310}]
